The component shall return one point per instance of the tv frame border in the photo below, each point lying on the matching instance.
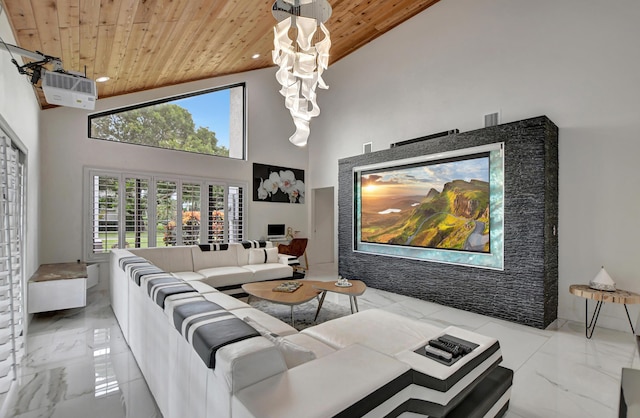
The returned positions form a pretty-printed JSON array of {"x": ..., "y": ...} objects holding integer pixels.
[{"x": 493, "y": 260}]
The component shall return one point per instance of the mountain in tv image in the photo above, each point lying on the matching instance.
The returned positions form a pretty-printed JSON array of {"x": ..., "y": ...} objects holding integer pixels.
[{"x": 456, "y": 217}]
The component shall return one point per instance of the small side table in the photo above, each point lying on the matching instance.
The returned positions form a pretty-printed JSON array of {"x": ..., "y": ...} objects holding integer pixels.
[
  {"x": 356, "y": 289},
  {"x": 600, "y": 296},
  {"x": 58, "y": 286}
]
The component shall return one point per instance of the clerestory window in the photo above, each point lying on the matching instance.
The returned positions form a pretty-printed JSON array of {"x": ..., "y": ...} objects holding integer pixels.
[{"x": 209, "y": 122}]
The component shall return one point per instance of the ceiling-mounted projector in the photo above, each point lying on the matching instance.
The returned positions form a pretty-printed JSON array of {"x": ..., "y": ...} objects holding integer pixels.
[
  {"x": 67, "y": 89},
  {"x": 60, "y": 87}
]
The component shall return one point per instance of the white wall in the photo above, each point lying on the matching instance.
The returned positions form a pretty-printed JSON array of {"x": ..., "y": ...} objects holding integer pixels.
[
  {"x": 66, "y": 149},
  {"x": 575, "y": 61},
  {"x": 20, "y": 110}
]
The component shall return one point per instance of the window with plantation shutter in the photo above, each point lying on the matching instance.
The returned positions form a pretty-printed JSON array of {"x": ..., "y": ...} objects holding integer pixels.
[
  {"x": 138, "y": 210},
  {"x": 136, "y": 213},
  {"x": 104, "y": 216},
  {"x": 216, "y": 214},
  {"x": 12, "y": 209},
  {"x": 190, "y": 213},
  {"x": 235, "y": 213},
  {"x": 166, "y": 213}
]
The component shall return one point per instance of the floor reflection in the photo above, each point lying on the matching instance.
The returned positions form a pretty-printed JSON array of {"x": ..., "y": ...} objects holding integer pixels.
[
  {"x": 106, "y": 381},
  {"x": 77, "y": 364}
]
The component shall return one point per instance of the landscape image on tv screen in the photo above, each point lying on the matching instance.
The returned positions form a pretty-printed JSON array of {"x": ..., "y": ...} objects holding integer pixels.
[{"x": 436, "y": 204}]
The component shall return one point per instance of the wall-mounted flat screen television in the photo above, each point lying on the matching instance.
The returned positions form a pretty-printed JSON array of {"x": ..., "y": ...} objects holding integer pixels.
[
  {"x": 446, "y": 207},
  {"x": 432, "y": 204}
]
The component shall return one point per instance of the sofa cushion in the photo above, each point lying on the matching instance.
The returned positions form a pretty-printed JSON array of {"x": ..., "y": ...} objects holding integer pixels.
[
  {"x": 263, "y": 255},
  {"x": 207, "y": 259},
  {"x": 269, "y": 271},
  {"x": 213, "y": 247},
  {"x": 258, "y": 327},
  {"x": 188, "y": 275},
  {"x": 126, "y": 260},
  {"x": 255, "y": 244},
  {"x": 228, "y": 302},
  {"x": 138, "y": 272},
  {"x": 173, "y": 301},
  {"x": 247, "y": 362},
  {"x": 319, "y": 348},
  {"x": 383, "y": 331},
  {"x": 202, "y": 287},
  {"x": 244, "y": 249},
  {"x": 208, "y": 327},
  {"x": 168, "y": 258},
  {"x": 266, "y": 321},
  {"x": 225, "y": 276},
  {"x": 294, "y": 354},
  {"x": 320, "y": 388},
  {"x": 161, "y": 288}
]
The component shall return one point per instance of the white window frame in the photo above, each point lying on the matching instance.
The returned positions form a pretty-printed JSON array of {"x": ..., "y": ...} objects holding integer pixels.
[
  {"x": 153, "y": 178},
  {"x": 237, "y": 125}
]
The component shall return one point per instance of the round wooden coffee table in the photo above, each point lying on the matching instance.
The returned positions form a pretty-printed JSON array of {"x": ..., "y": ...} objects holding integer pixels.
[{"x": 264, "y": 290}]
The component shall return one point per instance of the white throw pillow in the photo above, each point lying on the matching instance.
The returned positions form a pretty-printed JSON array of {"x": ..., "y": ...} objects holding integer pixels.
[{"x": 263, "y": 255}]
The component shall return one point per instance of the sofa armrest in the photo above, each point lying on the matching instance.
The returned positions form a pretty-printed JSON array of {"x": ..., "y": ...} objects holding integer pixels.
[
  {"x": 284, "y": 259},
  {"x": 247, "y": 362}
]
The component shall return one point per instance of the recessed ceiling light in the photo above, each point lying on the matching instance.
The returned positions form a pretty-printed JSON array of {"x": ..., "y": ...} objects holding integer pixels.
[
  {"x": 102, "y": 79},
  {"x": 255, "y": 56}
]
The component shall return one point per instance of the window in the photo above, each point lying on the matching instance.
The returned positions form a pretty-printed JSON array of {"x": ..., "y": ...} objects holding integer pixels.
[
  {"x": 209, "y": 122},
  {"x": 12, "y": 233},
  {"x": 128, "y": 210},
  {"x": 135, "y": 215}
]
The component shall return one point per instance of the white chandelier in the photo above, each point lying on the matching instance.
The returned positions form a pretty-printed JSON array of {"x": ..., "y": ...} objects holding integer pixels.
[{"x": 301, "y": 64}]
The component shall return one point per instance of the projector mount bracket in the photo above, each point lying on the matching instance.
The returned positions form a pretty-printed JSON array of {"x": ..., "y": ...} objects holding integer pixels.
[{"x": 32, "y": 69}]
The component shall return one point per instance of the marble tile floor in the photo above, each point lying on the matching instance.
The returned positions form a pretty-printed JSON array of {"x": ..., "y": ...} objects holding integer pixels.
[{"x": 77, "y": 363}]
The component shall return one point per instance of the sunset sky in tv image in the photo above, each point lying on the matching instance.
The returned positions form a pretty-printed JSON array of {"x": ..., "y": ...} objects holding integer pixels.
[{"x": 419, "y": 180}]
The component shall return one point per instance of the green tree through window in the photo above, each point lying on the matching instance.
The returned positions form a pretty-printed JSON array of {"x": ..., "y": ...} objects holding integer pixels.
[
  {"x": 163, "y": 126},
  {"x": 206, "y": 123}
]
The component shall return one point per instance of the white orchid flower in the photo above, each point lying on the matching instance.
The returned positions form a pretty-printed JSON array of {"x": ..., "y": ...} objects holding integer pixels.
[
  {"x": 272, "y": 183},
  {"x": 287, "y": 181},
  {"x": 262, "y": 192},
  {"x": 299, "y": 186}
]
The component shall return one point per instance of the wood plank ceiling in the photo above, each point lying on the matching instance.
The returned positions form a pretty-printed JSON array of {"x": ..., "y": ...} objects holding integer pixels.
[{"x": 145, "y": 44}]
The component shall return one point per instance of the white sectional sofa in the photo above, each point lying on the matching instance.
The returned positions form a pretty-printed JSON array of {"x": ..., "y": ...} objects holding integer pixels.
[
  {"x": 205, "y": 353},
  {"x": 221, "y": 266}
]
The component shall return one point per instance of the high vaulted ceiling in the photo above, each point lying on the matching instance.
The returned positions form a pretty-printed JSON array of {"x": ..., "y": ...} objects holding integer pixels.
[{"x": 145, "y": 44}]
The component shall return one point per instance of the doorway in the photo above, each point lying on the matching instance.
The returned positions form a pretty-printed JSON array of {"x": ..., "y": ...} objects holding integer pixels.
[{"x": 323, "y": 226}]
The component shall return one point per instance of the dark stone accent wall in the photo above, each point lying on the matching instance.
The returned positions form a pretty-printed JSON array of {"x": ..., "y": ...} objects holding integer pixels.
[{"x": 526, "y": 291}]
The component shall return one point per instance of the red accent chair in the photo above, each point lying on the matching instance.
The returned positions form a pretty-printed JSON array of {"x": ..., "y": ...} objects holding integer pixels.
[{"x": 297, "y": 248}]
